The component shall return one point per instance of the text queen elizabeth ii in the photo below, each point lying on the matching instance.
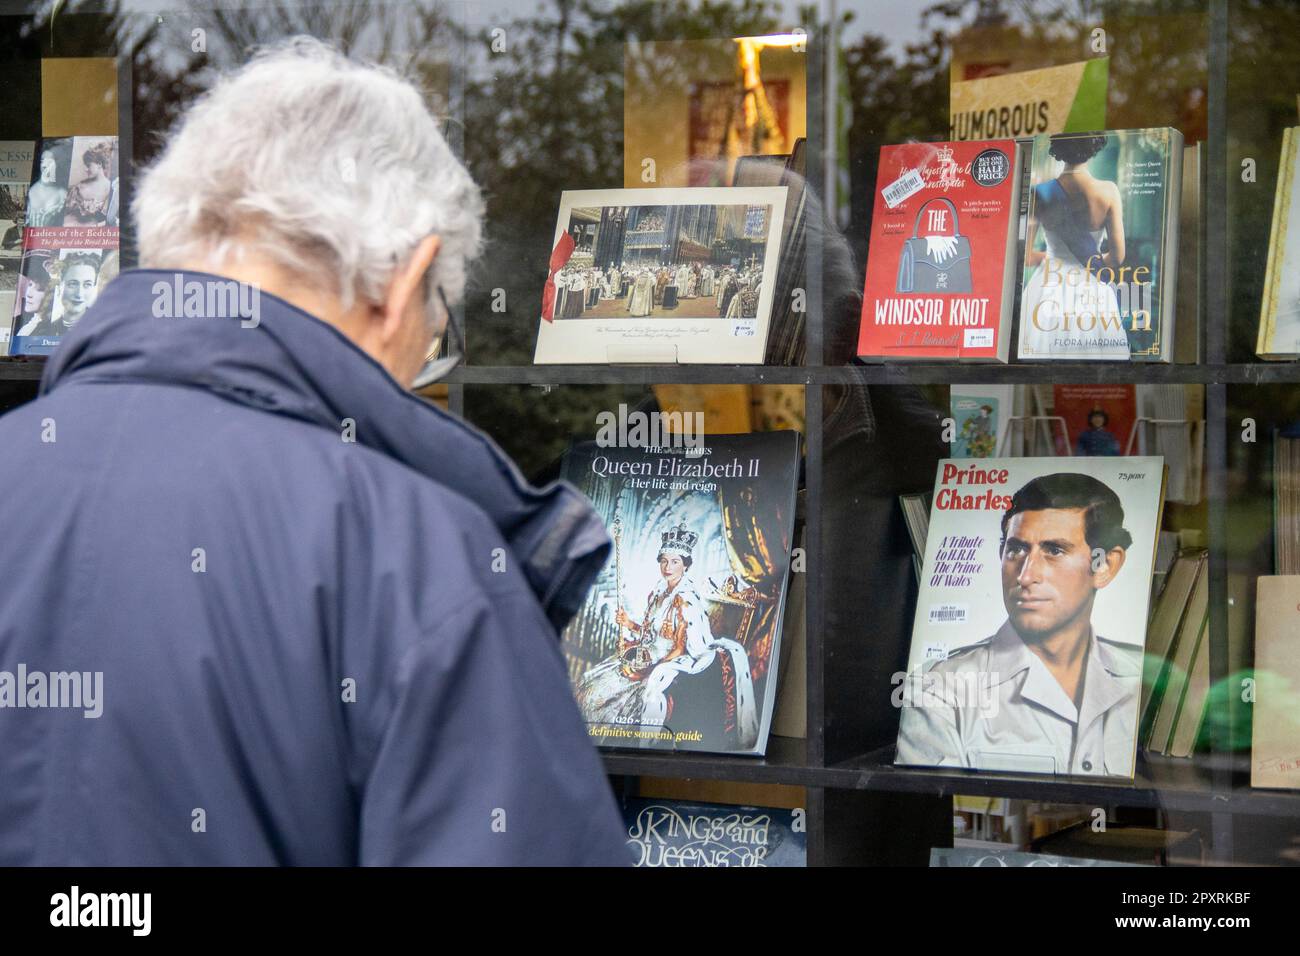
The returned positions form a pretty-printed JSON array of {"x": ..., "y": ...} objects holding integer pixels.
[{"x": 673, "y": 638}]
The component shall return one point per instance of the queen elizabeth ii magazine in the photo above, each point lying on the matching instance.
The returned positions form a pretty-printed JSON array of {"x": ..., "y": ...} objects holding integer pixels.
[{"x": 678, "y": 644}]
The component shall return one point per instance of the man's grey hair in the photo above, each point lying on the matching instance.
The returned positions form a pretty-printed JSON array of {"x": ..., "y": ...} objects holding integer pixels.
[{"x": 331, "y": 169}]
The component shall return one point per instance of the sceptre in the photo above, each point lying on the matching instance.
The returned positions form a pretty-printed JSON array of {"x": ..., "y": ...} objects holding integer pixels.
[{"x": 632, "y": 654}]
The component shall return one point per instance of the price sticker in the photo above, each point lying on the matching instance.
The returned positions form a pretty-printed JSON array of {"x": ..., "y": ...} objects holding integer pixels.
[{"x": 908, "y": 184}]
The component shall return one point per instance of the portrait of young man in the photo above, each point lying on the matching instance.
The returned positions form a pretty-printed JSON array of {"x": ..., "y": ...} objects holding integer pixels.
[{"x": 1046, "y": 693}]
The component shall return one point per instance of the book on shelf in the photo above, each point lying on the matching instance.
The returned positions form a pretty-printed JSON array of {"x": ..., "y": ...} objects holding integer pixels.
[
  {"x": 1279, "y": 313},
  {"x": 16, "y": 157},
  {"x": 941, "y": 268},
  {"x": 1027, "y": 641},
  {"x": 15, "y": 179},
  {"x": 1188, "y": 575},
  {"x": 1101, "y": 256},
  {"x": 1191, "y": 710},
  {"x": 1286, "y": 499},
  {"x": 1166, "y": 553},
  {"x": 1187, "y": 334},
  {"x": 1176, "y": 659},
  {"x": 678, "y": 644},
  {"x": 678, "y": 833},
  {"x": 786, "y": 342},
  {"x": 1025, "y": 424},
  {"x": 70, "y": 239},
  {"x": 790, "y": 717},
  {"x": 1172, "y": 425},
  {"x": 662, "y": 276},
  {"x": 1054, "y": 99},
  {"x": 1098, "y": 418},
  {"x": 981, "y": 416},
  {"x": 1275, "y": 715},
  {"x": 916, "y": 515}
]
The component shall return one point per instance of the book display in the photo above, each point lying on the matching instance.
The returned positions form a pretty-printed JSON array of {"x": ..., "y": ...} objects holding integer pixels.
[
  {"x": 636, "y": 277},
  {"x": 15, "y": 179},
  {"x": 678, "y": 644},
  {"x": 940, "y": 277},
  {"x": 69, "y": 239},
  {"x": 1030, "y": 622},
  {"x": 1279, "y": 320},
  {"x": 1102, "y": 246},
  {"x": 672, "y": 833},
  {"x": 983, "y": 419},
  {"x": 936, "y": 377}
]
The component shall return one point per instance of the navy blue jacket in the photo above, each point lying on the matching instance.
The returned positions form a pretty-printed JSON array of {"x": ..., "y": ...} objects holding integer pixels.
[{"x": 314, "y": 651}]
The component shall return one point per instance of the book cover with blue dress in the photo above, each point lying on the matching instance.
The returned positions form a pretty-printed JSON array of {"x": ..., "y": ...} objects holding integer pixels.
[{"x": 1101, "y": 246}]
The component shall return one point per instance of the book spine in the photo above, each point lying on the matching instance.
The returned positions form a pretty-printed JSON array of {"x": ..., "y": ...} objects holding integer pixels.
[
  {"x": 1173, "y": 217},
  {"x": 1265, "y": 346}
]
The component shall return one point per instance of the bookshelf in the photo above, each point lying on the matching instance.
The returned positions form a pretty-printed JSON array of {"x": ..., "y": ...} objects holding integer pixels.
[
  {"x": 1240, "y": 373},
  {"x": 862, "y": 809}
]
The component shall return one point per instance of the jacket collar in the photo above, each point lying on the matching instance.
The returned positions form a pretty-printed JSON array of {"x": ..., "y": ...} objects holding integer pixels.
[
  {"x": 293, "y": 364},
  {"x": 1107, "y": 680}
]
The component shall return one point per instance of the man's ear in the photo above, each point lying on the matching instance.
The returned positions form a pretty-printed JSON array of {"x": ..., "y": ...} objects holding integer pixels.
[
  {"x": 1104, "y": 571},
  {"x": 405, "y": 285}
]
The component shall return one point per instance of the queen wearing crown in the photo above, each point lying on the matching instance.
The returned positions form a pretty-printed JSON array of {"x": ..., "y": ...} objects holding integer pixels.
[{"x": 672, "y": 638}]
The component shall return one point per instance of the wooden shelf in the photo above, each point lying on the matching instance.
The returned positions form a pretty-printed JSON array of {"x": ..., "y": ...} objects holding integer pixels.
[
  {"x": 1081, "y": 373},
  {"x": 786, "y": 762},
  {"x": 893, "y": 374}
]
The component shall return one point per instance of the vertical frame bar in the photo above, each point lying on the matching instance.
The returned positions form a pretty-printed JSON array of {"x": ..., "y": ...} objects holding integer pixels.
[
  {"x": 1217, "y": 274},
  {"x": 815, "y": 218},
  {"x": 127, "y": 251},
  {"x": 816, "y": 819},
  {"x": 813, "y": 610}
]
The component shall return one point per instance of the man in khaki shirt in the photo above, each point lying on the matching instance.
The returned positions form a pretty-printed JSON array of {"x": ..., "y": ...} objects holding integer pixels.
[{"x": 1044, "y": 694}]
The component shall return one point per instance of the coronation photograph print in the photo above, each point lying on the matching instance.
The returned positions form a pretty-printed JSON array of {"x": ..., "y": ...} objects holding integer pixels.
[{"x": 661, "y": 275}]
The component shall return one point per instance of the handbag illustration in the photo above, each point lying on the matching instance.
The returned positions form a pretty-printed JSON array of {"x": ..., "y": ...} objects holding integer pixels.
[{"x": 927, "y": 266}]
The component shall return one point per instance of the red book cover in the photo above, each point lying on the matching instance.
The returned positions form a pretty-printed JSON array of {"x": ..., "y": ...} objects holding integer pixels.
[
  {"x": 1098, "y": 418},
  {"x": 942, "y": 260}
]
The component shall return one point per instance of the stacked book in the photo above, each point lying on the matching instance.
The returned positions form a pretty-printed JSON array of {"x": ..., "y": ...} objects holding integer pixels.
[{"x": 1175, "y": 681}]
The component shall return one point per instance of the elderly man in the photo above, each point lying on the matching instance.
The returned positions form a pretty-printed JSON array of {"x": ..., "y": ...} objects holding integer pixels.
[{"x": 269, "y": 607}]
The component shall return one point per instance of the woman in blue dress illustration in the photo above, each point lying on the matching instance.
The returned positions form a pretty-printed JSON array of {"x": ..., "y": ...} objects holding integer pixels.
[{"x": 1067, "y": 311}]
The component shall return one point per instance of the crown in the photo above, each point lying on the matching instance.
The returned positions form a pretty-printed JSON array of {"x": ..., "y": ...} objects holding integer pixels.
[
  {"x": 679, "y": 541},
  {"x": 945, "y": 154}
]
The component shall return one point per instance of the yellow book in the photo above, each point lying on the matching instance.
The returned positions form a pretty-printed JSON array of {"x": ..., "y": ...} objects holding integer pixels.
[{"x": 1279, "y": 317}]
